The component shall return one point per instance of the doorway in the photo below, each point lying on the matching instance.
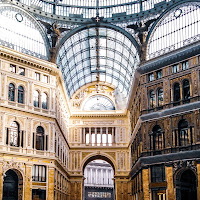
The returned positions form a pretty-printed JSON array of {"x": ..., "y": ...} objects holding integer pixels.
[
  {"x": 98, "y": 183},
  {"x": 10, "y": 186},
  {"x": 186, "y": 186}
]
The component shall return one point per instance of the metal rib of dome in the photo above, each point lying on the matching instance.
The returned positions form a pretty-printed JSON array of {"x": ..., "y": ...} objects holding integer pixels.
[
  {"x": 98, "y": 54},
  {"x": 87, "y": 8}
]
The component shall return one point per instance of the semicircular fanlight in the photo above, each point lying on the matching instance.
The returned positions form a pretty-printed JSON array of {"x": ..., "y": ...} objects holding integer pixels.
[{"x": 98, "y": 102}]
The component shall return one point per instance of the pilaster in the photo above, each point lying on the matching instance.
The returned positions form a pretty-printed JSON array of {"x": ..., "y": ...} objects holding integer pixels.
[
  {"x": 170, "y": 183},
  {"x": 198, "y": 177},
  {"x": 145, "y": 178},
  {"x": 1, "y": 180},
  {"x": 50, "y": 183},
  {"x": 27, "y": 185}
]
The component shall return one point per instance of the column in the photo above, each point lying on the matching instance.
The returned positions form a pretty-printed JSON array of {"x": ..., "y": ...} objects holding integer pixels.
[
  {"x": 101, "y": 177},
  {"x": 106, "y": 135},
  {"x": 50, "y": 194},
  {"x": 145, "y": 178},
  {"x": 83, "y": 129},
  {"x": 27, "y": 183},
  {"x": 101, "y": 136},
  {"x": 170, "y": 184},
  {"x": 95, "y": 136},
  {"x": 96, "y": 175},
  {"x": 85, "y": 175},
  {"x": 90, "y": 136},
  {"x": 90, "y": 175},
  {"x": 1, "y": 180},
  {"x": 198, "y": 183},
  {"x": 113, "y": 137}
]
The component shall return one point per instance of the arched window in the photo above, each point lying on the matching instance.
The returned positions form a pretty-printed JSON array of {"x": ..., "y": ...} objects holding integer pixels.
[
  {"x": 160, "y": 97},
  {"x": 40, "y": 138},
  {"x": 11, "y": 93},
  {"x": 186, "y": 91},
  {"x": 157, "y": 138},
  {"x": 20, "y": 94},
  {"x": 14, "y": 134},
  {"x": 152, "y": 100},
  {"x": 177, "y": 95},
  {"x": 36, "y": 98},
  {"x": 183, "y": 133},
  {"x": 44, "y": 100}
]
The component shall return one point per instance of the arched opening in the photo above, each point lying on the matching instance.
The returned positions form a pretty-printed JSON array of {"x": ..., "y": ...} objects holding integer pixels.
[
  {"x": 186, "y": 91},
  {"x": 157, "y": 138},
  {"x": 40, "y": 138},
  {"x": 98, "y": 179},
  {"x": 186, "y": 187},
  {"x": 12, "y": 185},
  {"x": 177, "y": 95},
  {"x": 184, "y": 136}
]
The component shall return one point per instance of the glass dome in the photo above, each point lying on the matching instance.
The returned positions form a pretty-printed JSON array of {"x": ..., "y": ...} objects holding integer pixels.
[
  {"x": 88, "y": 8},
  {"x": 178, "y": 28},
  {"x": 21, "y": 32}
]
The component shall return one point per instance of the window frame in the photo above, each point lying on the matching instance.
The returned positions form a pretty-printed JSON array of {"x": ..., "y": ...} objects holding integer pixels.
[
  {"x": 152, "y": 100},
  {"x": 12, "y": 67},
  {"x": 37, "y": 76},
  {"x": 20, "y": 73},
  {"x": 185, "y": 65},
  {"x": 20, "y": 96},
  {"x": 11, "y": 92},
  {"x": 151, "y": 77},
  {"x": 175, "y": 68},
  {"x": 37, "y": 171},
  {"x": 36, "y": 99},
  {"x": 40, "y": 139},
  {"x": 157, "y": 73}
]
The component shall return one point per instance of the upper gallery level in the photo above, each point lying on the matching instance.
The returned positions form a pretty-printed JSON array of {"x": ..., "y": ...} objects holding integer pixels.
[{"x": 164, "y": 114}]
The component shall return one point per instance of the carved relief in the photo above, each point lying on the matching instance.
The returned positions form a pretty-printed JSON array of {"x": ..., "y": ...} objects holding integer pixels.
[
  {"x": 184, "y": 164},
  {"x": 166, "y": 90},
  {"x": 195, "y": 83},
  {"x": 84, "y": 154},
  {"x": 13, "y": 165},
  {"x": 112, "y": 154},
  {"x": 94, "y": 89},
  {"x": 98, "y": 122}
]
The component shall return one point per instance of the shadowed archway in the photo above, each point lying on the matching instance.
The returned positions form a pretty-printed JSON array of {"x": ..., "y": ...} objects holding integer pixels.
[{"x": 12, "y": 185}]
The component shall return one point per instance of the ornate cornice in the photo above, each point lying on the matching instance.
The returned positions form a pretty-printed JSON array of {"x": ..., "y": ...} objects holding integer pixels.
[
  {"x": 170, "y": 58},
  {"x": 20, "y": 58},
  {"x": 99, "y": 114}
]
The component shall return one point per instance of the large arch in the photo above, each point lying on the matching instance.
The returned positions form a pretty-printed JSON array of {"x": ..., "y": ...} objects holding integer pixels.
[
  {"x": 176, "y": 12},
  {"x": 13, "y": 185},
  {"x": 98, "y": 156},
  {"x": 22, "y": 32},
  {"x": 186, "y": 184},
  {"x": 98, "y": 52}
]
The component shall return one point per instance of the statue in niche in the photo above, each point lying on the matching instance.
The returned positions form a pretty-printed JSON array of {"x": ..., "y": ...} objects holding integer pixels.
[
  {"x": 54, "y": 31},
  {"x": 141, "y": 30}
]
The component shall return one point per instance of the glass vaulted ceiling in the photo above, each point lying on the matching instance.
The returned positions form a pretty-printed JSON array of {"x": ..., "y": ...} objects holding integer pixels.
[{"x": 101, "y": 52}]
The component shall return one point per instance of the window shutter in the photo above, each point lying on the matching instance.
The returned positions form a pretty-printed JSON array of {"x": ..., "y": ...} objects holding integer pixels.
[
  {"x": 46, "y": 142},
  {"x": 18, "y": 139},
  {"x": 7, "y": 136},
  {"x": 33, "y": 140},
  {"x": 22, "y": 140}
]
